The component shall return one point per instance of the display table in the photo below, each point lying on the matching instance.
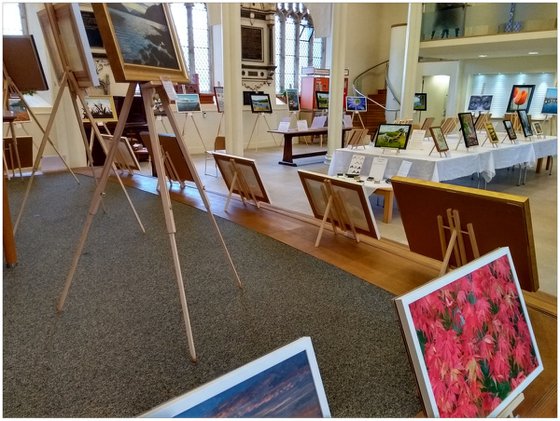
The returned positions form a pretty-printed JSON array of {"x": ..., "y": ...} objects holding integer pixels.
[{"x": 482, "y": 160}]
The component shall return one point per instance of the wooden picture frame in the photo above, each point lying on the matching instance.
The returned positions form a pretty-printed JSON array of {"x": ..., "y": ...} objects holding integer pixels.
[
  {"x": 353, "y": 195},
  {"x": 492, "y": 214},
  {"x": 491, "y": 132},
  {"x": 508, "y": 125},
  {"x": 470, "y": 364},
  {"x": 525, "y": 123},
  {"x": 23, "y": 64},
  {"x": 124, "y": 158},
  {"x": 292, "y": 99},
  {"x": 439, "y": 139},
  {"x": 258, "y": 389},
  {"x": 260, "y": 103},
  {"x": 228, "y": 164},
  {"x": 74, "y": 50},
  {"x": 468, "y": 130},
  {"x": 420, "y": 102},
  {"x": 101, "y": 107},
  {"x": 393, "y": 136},
  {"x": 520, "y": 98},
  {"x": 219, "y": 94},
  {"x": 187, "y": 103},
  {"x": 161, "y": 56}
]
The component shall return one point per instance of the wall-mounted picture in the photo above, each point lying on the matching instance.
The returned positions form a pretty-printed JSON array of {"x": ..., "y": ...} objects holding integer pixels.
[
  {"x": 283, "y": 384},
  {"x": 322, "y": 98},
  {"x": 550, "y": 104},
  {"x": 140, "y": 41},
  {"x": 17, "y": 106},
  {"x": 22, "y": 63},
  {"x": 187, "y": 103},
  {"x": 356, "y": 104},
  {"x": 292, "y": 99},
  {"x": 491, "y": 132},
  {"x": 219, "y": 95},
  {"x": 480, "y": 103},
  {"x": 470, "y": 339},
  {"x": 537, "y": 128},
  {"x": 439, "y": 139},
  {"x": 420, "y": 102},
  {"x": 508, "y": 125},
  {"x": 101, "y": 107},
  {"x": 392, "y": 136},
  {"x": 525, "y": 123},
  {"x": 520, "y": 98},
  {"x": 75, "y": 49},
  {"x": 260, "y": 103},
  {"x": 467, "y": 128}
]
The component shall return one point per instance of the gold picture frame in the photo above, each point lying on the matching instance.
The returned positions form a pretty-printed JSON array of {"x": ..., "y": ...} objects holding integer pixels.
[
  {"x": 160, "y": 55},
  {"x": 101, "y": 107}
]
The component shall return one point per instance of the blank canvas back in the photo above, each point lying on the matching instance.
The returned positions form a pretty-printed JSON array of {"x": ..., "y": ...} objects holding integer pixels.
[{"x": 23, "y": 64}]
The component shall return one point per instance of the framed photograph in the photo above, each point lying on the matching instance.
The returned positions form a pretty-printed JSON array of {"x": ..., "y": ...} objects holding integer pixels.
[
  {"x": 322, "y": 98},
  {"x": 525, "y": 123},
  {"x": 101, "y": 107},
  {"x": 23, "y": 64},
  {"x": 508, "y": 125},
  {"x": 260, "y": 103},
  {"x": 537, "y": 128},
  {"x": 75, "y": 49},
  {"x": 17, "y": 106},
  {"x": 93, "y": 34},
  {"x": 124, "y": 158},
  {"x": 292, "y": 99},
  {"x": 491, "y": 214},
  {"x": 140, "y": 41},
  {"x": 439, "y": 139},
  {"x": 392, "y": 136},
  {"x": 491, "y": 132},
  {"x": 470, "y": 339},
  {"x": 420, "y": 102},
  {"x": 228, "y": 164},
  {"x": 219, "y": 94},
  {"x": 352, "y": 194},
  {"x": 356, "y": 104},
  {"x": 467, "y": 128},
  {"x": 550, "y": 104},
  {"x": 520, "y": 98},
  {"x": 283, "y": 384},
  {"x": 480, "y": 103},
  {"x": 187, "y": 103}
]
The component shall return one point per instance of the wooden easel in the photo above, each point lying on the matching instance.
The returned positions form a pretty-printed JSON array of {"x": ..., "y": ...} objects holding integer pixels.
[
  {"x": 456, "y": 243},
  {"x": 148, "y": 90},
  {"x": 336, "y": 210},
  {"x": 260, "y": 116},
  {"x": 243, "y": 188},
  {"x": 354, "y": 113}
]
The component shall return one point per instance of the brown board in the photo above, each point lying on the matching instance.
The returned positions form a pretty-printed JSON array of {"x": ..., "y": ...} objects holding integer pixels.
[
  {"x": 170, "y": 147},
  {"x": 499, "y": 220},
  {"x": 23, "y": 64}
]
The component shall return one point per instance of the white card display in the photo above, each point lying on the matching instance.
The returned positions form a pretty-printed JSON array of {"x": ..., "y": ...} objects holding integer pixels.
[
  {"x": 284, "y": 126},
  {"x": 356, "y": 164},
  {"x": 319, "y": 122},
  {"x": 302, "y": 125},
  {"x": 377, "y": 170},
  {"x": 404, "y": 169},
  {"x": 347, "y": 121},
  {"x": 416, "y": 139}
]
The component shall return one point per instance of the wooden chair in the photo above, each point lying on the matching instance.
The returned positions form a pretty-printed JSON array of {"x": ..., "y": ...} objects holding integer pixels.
[{"x": 219, "y": 146}]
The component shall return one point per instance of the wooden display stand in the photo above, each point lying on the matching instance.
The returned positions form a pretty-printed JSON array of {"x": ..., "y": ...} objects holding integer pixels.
[{"x": 456, "y": 243}]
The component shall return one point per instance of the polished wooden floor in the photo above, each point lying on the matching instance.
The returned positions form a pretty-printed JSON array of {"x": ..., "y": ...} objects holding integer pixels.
[{"x": 385, "y": 263}]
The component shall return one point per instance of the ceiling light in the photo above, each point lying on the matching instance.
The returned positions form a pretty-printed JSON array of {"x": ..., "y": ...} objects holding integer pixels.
[
  {"x": 533, "y": 53},
  {"x": 483, "y": 55}
]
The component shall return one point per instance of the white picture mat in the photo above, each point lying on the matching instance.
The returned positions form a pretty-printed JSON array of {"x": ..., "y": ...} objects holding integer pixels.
[
  {"x": 347, "y": 121},
  {"x": 302, "y": 125},
  {"x": 237, "y": 376},
  {"x": 319, "y": 122},
  {"x": 403, "y": 307},
  {"x": 404, "y": 168},
  {"x": 378, "y": 166},
  {"x": 284, "y": 126}
]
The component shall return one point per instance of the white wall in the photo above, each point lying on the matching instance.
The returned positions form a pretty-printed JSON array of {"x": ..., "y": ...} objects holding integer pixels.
[{"x": 447, "y": 68}]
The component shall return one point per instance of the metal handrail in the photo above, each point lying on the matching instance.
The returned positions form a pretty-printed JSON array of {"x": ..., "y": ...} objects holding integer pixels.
[{"x": 387, "y": 81}]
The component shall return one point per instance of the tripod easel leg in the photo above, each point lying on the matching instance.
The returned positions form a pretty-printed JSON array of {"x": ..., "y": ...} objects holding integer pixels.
[{"x": 252, "y": 132}]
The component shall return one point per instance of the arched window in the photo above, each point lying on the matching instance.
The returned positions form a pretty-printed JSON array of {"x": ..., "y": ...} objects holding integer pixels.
[{"x": 295, "y": 44}]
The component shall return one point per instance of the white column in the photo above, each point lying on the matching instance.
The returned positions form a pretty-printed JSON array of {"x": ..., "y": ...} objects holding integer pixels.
[
  {"x": 413, "y": 31},
  {"x": 336, "y": 83},
  {"x": 233, "y": 96},
  {"x": 397, "y": 48}
]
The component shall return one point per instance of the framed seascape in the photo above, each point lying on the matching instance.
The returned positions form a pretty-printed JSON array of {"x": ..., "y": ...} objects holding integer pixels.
[
  {"x": 392, "y": 136},
  {"x": 470, "y": 339},
  {"x": 101, "y": 107},
  {"x": 508, "y": 125},
  {"x": 467, "y": 128},
  {"x": 260, "y": 103},
  {"x": 520, "y": 98},
  {"x": 439, "y": 139},
  {"x": 550, "y": 103},
  {"x": 187, "y": 103},
  {"x": 141, "y": 42},
  {"x": 525, "y": 123},
  {"x": 283, "y": 384}
]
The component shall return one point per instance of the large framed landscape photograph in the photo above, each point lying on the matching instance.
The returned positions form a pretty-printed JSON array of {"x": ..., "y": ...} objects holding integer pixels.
[
  {"x": 470, "y": 339},
  {"x": 467, "y": 128},
  {"x": 283, "y": 384},
  {"x": 520, "y": 98},
  {"x": 140, "y": 41},
  {"x": 260, "y": 103},
  {"x": 392, "y": 136}
]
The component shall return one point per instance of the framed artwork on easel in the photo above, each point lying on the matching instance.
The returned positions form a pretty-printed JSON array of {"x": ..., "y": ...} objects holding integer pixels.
[
  {"x": 22, "y": 63},
  {"x": 508, "y": 125},
  {"x": 219, "y": 94},
  {"x": 468, "y": 130},
  {"x": 292, "y": 99},
  {"x": 439, "y": 139},
  {"x": 101, "y": 107}
]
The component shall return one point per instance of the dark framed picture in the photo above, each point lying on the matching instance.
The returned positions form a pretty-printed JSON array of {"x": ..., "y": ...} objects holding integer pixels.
[
  {"x": 491, "y": 132},
  {"x": 187, "y": 103},
  {"x": 508, "y": 125},
  {"x": 480, "y": 103},
  {"x": 550, "y": 104},
  {"x": 356, "y": 104},
  {"x": 322, "y": 98},
  {"x": 260, "y": 103},
  {"x": 252, "y": 43},
  {"x": 525, "y": 123},
  {"x": 392, "y": 136},
  {"x": 520, "y": 98},
  {"x": 439, "y": 139},
  {"x": 93, "y": 34},
  {"x": 101, "y": 107},
  {"x": 141, "y": 42},
  {"x": 420, "y": 102},
  {"x": 219, "y": 94},
  {"x": 292, "y": 99},
  {"x": 467, "y": 128}
]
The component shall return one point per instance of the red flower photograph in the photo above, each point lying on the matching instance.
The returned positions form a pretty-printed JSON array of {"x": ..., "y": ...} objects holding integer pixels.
[
  {"x": 472, "y": 339},
  {"x": 520, "y": 98}
]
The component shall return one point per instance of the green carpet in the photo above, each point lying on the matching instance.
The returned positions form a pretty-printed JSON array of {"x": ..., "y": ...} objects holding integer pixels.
[{"x": 119, "y": 348}]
